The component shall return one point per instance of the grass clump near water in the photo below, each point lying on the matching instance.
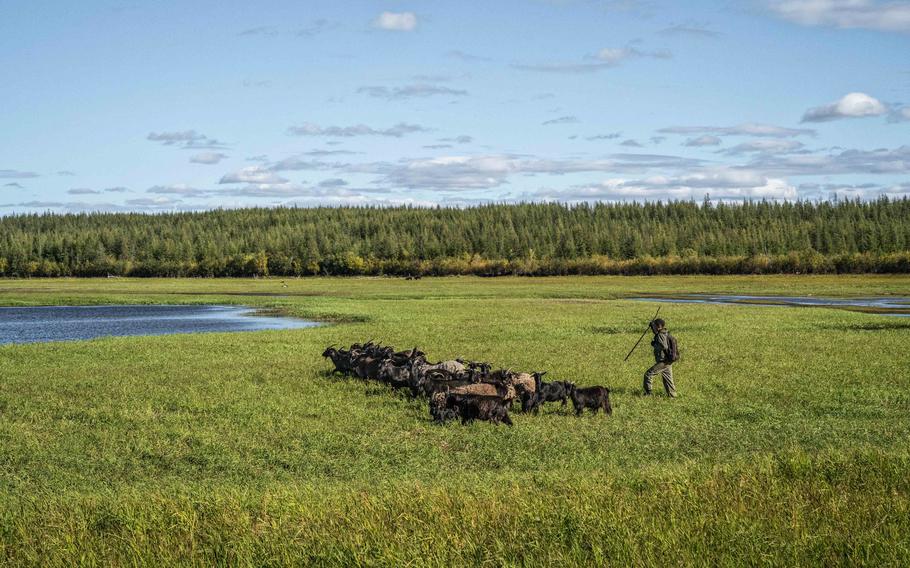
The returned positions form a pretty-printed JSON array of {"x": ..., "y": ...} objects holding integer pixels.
[{"x": 788, "y": 444}]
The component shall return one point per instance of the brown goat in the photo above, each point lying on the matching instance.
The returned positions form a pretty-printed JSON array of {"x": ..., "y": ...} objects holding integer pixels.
[
  {"x": 526, "y": 382},
  {"x": 506, "y": 391}
]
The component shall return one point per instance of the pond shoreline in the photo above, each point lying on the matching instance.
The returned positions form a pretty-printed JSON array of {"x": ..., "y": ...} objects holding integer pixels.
[
  {"x": 41, "y": 324},
  {"x": 898, "y": 306}
]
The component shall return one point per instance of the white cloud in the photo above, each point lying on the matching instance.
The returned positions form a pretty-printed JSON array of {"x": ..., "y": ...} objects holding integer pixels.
[
  {"x": 269, "y": 31},
  {"x": 765, "y": 146},
  {"x": 396, "y": 21},
  {"x": 705, "y": 140},
  {"x": 332, "y": 182},
  {"x": 208, "y": 158},
  {"x": 851, "y": 105},
  {"x": 564, "y": 67},
  {"x": 16, "y": 174},
  {"x": 608, "y": 136},
  {"x": 175, "y": 137},
  {"x": 879, "y": 161},
  {"x": 606, "y": 58},
  {"x": 179, "y": 189},
  {"x": 458, "y": 54},
  {"x": 452, "y": 173},
  {"x": 616, "y": 55},
  {"x": 82, "y": 191},
  {"x": 152, "y": 203},
  {"x": 747, "y": 129},
  {"x": 189, "y": 139},
  {"x": 869, "y": 14},
  {"x": 295, "y": 163},
  {"x": 316, "y": 27},
  {"x": 410, "y": 91},
  {"x": 396, "y": 131},
  {"x": 460, "y": 139},
  {"x": 691, "y": 30},
  {"x": 720, "y": 184},
  {"x": 253, "y": 174},
  {"x": 457, "y": 173},
  {"x": 83, "y": 206},
  {"x": 561, "y": 120}
]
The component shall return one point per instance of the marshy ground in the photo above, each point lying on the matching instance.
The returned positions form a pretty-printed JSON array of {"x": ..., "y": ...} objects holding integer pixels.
[{"x": 788, "y": 444}]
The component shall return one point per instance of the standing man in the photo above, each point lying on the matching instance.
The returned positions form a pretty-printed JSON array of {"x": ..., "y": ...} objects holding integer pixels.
[{"x": 665, "y": 354}]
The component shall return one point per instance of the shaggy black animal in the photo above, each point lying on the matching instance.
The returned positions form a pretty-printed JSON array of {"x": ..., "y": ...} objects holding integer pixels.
[
  {"x": 397, "y": 377},
  {"x": 367, "y": 367},
  {"x": 431, "y": 385},
  {"x": 555, "y": 391},
  {"x": 594, "y": 398},
  {"x": 470, "y": 408},
  {"x": 340, "y": 358},
  {"x": 402, "y": 358},
  {"x": 439, "y": 411},
  {"x": 530, "y": 401}
]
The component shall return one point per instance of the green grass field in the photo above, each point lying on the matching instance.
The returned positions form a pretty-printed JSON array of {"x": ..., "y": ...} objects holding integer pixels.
[{"x": 788, "y": 444}]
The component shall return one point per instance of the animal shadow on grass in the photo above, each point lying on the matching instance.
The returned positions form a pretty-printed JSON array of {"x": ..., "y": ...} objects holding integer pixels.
[{"x": 625, "y": 391}]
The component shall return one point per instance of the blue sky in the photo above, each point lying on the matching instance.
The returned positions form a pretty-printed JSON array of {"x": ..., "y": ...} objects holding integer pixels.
[{"x": 185, "y": 105}]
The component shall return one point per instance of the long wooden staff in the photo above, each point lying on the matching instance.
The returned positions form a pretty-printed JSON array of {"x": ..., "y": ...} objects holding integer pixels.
[{"x": 642, "y": 334}]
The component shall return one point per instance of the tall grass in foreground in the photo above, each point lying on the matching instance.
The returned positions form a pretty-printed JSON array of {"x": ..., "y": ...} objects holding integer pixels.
[
  {"x": 788, "y": 444},
  {"x": 792, "y": 509}
]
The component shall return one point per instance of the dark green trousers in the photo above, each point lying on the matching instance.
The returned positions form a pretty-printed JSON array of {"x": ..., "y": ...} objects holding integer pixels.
[{"x": 666, "y": 373}]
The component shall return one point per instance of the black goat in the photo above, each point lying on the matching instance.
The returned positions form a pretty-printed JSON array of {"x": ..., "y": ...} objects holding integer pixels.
[
  {"x": 341, "y": 359},
  {"x": 397, "y": 377},
  {"x": 544, "y": 392},
  {"x": 556, "y": 390},
  {"x": 439, "y": 410},
  {"x": 470, "y": 408},
  {"x": 594, "y": 398},
  {"x": 530, "y": 401}
]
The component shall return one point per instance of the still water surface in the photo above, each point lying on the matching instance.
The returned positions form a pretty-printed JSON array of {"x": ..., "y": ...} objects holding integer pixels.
[
  {"x": 66, "y": 323},
  {"x": 891, "y": 306}
]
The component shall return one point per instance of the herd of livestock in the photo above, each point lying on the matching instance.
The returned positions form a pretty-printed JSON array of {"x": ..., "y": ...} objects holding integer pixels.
[{"x": 463, "y": 390}]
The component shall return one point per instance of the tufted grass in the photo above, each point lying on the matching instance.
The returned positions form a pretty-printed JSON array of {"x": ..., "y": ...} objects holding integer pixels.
[{"x": 788, "y": 444}]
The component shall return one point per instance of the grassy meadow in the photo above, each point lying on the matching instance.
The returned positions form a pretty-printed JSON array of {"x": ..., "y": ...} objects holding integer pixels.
[{"x": 788, "y": 444}]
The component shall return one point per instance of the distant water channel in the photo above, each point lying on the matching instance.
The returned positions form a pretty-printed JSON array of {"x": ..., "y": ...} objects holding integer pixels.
[
  {"x": 890, "y": 306},
  {"x": 67, "y": 323}
]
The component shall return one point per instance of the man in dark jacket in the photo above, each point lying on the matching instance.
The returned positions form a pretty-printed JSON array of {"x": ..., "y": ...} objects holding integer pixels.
[{"x": 664, "y": 356}]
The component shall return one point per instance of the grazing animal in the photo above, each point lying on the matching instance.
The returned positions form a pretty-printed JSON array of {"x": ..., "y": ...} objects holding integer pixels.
[
  {"x": 524, "y": 382},
  {"x": 367, "y": 367},
  {"x": 404, "y": 357},
  {"x": 530, "y": 401},
  {"x": 556, "y": 390},
  {"x": 439, "y": 409},
  {"x": 462, "y": 389},
  {"x": 432, "y": 385},
  {"x": 450, "y": 367},
  {"x": 594, "y": 398},
  {"x": 340, "y": 358},
  {"x": 470, "y": 408},
  {"x": 398, "y": 377},
  {"x": 505, "y": 390}
]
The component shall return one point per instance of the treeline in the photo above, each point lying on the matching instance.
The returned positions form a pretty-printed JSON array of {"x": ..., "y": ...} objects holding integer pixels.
[{"x": 532, "y": 239}]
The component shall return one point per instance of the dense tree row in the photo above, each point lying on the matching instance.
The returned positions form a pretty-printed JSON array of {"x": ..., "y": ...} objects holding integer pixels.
[{"x": 678, "y": 237}]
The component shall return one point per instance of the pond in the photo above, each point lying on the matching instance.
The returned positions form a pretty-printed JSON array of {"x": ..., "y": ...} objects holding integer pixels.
[
  {"x": 67, "y": 323},
  {"x": 889, "y": 306}
]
